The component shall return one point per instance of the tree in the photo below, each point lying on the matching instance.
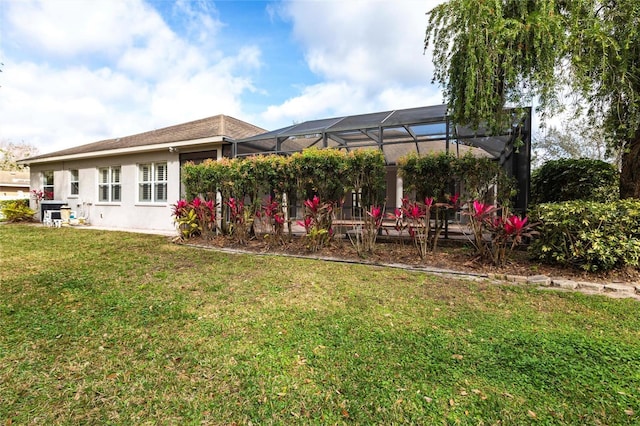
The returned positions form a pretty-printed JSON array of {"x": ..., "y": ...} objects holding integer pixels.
[
  {"x": 11, "y": 152},
  {"x": 574, "y": 138},
  {"x": 492, "y": 53}
]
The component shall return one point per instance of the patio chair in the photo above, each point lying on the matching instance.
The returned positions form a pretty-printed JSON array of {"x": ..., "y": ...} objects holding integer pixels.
[{"x": 52, "y": 218}]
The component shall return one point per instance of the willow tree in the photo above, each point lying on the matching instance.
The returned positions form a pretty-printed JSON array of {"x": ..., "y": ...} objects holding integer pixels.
[{"x": 489, "y": 54}]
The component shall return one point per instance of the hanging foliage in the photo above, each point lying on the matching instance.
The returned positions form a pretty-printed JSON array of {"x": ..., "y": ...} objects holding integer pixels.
[{"x": 497, "y": 53}]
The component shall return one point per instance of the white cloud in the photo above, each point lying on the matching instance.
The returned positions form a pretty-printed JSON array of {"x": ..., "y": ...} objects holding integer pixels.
[
  {"x": 105, "y": 68},
  {"x": 370, "y": 54},
  {"x": 75, "y": 27},
  {"x": 363, "y": 41}
]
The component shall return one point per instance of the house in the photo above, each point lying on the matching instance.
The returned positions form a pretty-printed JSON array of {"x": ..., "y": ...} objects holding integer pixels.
[
  {"x": 131, "y": 182},
  {"x": 14, "y": 185}
]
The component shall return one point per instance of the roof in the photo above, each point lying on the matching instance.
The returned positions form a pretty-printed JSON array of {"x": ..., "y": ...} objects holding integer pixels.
[
  {"x": 397, "y": 133},
  {"x": 220, "y": 125},
  {"x": 14, "y": 178}
]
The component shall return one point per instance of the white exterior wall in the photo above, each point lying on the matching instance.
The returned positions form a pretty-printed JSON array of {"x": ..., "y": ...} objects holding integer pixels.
[{"x": 129, "y": 213}]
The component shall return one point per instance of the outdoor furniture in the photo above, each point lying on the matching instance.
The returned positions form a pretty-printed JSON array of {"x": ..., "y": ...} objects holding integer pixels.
[{"x": 52, "y": 218}]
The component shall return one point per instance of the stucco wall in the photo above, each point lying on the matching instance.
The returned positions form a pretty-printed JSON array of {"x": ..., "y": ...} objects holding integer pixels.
[{"x": 126, "y": 214}]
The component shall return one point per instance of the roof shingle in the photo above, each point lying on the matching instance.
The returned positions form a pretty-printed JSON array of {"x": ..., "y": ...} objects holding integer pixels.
[{"x": 218, "y": 125}]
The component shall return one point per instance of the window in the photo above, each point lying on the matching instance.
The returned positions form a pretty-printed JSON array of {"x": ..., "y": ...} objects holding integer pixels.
[
  {"x": 74, "y": 181},
  {"x": 47, "y": 184},
  {"x": 152, "y": 183},
  {"x": 109, "y": 184}
]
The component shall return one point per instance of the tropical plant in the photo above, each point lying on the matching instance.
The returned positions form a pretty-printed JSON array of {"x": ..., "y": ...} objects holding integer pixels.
[
  {"x": 417, "y": 218},
  {"x": 317, "y": 223},
  {"x": 186, "y": 219},
  {"x": 38, "y": 195},
  {"x": 241, "y": 220},
  {"x": 589, "y": 235},
  {"x": 365, "y": 233},
  {"x": 496, "y": 232},
  {"x": 16, "y": 211},
  {"x": 197, "y": 217},
  {"x": 273, "y": 216}
]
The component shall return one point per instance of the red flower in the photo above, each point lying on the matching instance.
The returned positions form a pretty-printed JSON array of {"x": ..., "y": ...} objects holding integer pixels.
[
  {"x": 308, "y": 222},
  {"x": 428, "y": 202},
  {"x": 454, "y": 199},
  {"x": 481, "y": 209},
  {"x": 313, "y": 204},
  {"x": 179, "y": 207},
  {"x": 376, "y": 214},
  {"x": 514, "y": 225},
  {"x": 196, "y": 202}
]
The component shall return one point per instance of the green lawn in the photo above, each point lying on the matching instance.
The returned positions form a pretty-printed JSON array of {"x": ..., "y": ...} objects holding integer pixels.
[{"x": 105, "y": 327}]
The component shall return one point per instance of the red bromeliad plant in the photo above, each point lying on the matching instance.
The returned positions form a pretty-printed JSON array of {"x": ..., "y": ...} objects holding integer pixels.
[
  {"x": 494, "y": 234},
  {"x": 366, "y": 234},
  {"x": 197, "y": 217},
  {"x": 271, "y": 213},
  {"x": 240, "y": 220},
  {"x": 317, "y": 223},
  {"x": 416, "y": 217}
]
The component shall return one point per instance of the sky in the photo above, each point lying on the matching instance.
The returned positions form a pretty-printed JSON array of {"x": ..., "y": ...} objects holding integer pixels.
[{"x": 80, "y": 71}]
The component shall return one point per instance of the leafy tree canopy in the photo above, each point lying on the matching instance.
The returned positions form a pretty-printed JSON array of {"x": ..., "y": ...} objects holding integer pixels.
[
  {"x": 493, "y": 53},
  {"x": 11, "y": 152}
]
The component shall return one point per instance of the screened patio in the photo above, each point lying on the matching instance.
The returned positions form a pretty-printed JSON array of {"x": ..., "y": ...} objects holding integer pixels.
[{"x": 397, "y": 133}]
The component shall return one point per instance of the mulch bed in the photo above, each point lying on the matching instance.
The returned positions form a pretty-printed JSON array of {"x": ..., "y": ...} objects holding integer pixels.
[{"x": 456, "y": 255}]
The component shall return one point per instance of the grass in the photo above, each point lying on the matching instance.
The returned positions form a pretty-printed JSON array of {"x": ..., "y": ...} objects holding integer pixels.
[{"x": 116, "y": 328}]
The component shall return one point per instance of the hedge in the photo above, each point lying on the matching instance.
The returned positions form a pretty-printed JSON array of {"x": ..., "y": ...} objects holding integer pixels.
[
  {"x": 16, "y": 211},
  {"x": 570, "y": 179},
  {"x": 588, "y": 235}
]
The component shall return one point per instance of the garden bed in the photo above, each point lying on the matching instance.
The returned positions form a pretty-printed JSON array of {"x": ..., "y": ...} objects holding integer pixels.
[{"x": 452, "y": 254}]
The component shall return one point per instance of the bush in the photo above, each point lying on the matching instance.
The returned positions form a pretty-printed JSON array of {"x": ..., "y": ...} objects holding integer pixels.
[
  {"x": 434, "y": 175},
  {"x": 589, "y": 235},
  {"x": 574, "y": 179},
  {"x": 16, "y": 211},
  {"x": 429, "y": 175}
]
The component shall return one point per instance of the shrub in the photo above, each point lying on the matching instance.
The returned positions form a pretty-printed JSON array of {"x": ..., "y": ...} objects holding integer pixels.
[
  {"x": 574, "y": 179},
  {"x": 365, "y": 175},
  {"x": 16, "y": 211},
  {"x": 428, "y": 175},
  {"x": 506, "y": 231},
  {"x": 322, "y": 172},
  {"x": 589, "y": 235},
  {"x": 317, "y": 223},
  {"x": 417, "y": 218},
  {"x": 272, "y": 215},
  {"x": 197, "y": 217},
  {"x": 434, "y": 175}
]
